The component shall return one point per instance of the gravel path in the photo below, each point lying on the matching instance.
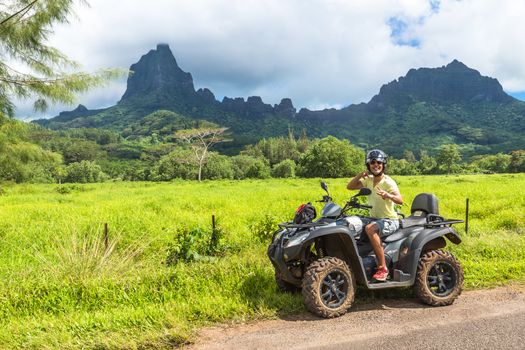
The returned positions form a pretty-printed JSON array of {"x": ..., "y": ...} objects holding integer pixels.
[{"x": 482, "y": 319}]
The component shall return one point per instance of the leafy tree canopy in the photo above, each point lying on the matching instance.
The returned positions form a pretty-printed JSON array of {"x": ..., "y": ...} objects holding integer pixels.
[
  {"x": 449, "y": 157},
  {"x": 331, "y": 157},
  {"x": 31, "y": 69}
]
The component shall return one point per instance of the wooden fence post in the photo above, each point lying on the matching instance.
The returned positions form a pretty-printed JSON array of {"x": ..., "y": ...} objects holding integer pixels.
[
  {"x": 106, "y": 238},
  {"x": 466, "y": 218}
]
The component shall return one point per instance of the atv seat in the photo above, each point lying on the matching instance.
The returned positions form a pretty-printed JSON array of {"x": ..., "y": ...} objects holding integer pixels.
[
  {"x": 413, "y": 221},
  {"x": 424, "y": 209}
]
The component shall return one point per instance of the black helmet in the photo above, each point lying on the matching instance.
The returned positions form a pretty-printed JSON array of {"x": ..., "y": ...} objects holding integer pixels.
[{"x": 376, "y": 154}]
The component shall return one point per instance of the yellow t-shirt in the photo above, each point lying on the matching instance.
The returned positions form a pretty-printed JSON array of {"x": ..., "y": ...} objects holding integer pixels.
[{"x": 381, "y": 208}]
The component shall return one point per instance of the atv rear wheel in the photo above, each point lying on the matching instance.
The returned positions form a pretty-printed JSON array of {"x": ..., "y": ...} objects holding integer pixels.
[
  {"x": 285, "y": 286},
  {"x": 439, "y": 278},
  {"x": 328, "y": 287}
]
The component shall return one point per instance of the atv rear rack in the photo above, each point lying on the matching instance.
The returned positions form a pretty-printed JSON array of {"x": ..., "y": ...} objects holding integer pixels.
[{"x": 443, "y": 223}]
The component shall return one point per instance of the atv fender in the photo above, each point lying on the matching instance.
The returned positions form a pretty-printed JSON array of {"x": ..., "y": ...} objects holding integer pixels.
[
  {"x": 276, "y": 254},
  {"x": 416, "y": 243},
  {"x": 339, "y": 242}
]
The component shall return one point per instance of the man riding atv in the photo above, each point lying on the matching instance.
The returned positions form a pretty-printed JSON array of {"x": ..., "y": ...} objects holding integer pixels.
[{"x": 385, "y": 194}]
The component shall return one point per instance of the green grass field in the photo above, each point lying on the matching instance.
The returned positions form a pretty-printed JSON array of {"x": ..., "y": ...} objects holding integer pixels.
[{"x": 63, "y": 288}]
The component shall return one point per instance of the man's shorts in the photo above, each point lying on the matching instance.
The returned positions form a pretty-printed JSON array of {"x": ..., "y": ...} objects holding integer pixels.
[{"x": 386, "y": 226}]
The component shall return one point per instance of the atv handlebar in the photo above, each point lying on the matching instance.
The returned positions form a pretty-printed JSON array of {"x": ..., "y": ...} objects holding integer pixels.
[
  {"x": 358, "y": 205},
  {"x": 325, "y": 199},
  {"x": 353, "y": 203}
]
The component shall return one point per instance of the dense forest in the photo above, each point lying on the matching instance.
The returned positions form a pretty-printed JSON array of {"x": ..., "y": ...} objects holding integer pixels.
[{"x": 152, "y": 151}]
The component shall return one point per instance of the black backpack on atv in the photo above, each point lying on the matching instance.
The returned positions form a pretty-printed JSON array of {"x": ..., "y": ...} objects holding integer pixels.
[{"x": 305, "y": 214}]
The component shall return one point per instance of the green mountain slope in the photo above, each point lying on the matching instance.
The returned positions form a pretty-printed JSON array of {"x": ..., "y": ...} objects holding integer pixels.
[{"x": 424, "y": 109}]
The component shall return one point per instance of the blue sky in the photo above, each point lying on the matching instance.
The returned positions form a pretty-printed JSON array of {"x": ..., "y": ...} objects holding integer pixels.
[
  {"x": 398, "y": 29},
  {"x": 518, "y": 95},
  {"x": 320, "y": 53}
]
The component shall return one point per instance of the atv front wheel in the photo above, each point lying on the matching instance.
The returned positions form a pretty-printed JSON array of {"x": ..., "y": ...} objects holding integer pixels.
[
  {"x": 328, "y": 287},
  {"x": 439, "y": 278}
]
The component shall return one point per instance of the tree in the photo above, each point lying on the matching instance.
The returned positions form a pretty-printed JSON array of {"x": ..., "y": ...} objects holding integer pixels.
[
  {"x": 449, "y": 157},
  {"x": 25, "y": 26},
  {"x": 331, "y": 157},
  {"x": 409, "y": 156},
  {"x": 402, "y": 167},
  {"x": 59, "y": 173},
  {"x": 517, "y": 161},
  {"x": 426, "y": 163},
  {"x": 200, "y": 141},
  {"x": 75, "y": 150},
  {"x": 274, "y": 149},
  {"x": 492, "y": 163},
  {"x": 21, "y": 160},
  {"x": 303, "y": 143}
]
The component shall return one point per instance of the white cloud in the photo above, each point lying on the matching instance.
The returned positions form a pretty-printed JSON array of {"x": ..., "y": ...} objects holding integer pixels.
[{"x": 318, "y": 52}]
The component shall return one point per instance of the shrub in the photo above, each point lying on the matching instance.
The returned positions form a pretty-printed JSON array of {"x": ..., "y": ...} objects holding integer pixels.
[
  {"x": 217, "y": 167},
  {"x": 66, "y": 189},
  {"x": 195, "y": 244},
  {"x": 26, "y": 162},
  {"x": 286, "y": 168},
  {"x": 177, "y": 164},
  {"x": 84, "y": 172},
  {"x": 250, "y": 167},
  {"x": 264, "y": 228}
]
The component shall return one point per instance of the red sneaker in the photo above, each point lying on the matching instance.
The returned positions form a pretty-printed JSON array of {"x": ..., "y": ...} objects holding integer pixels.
[{"x": 381, "y": 274}]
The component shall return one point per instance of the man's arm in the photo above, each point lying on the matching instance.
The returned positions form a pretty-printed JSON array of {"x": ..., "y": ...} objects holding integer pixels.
[{"x": 355, "y": 183}]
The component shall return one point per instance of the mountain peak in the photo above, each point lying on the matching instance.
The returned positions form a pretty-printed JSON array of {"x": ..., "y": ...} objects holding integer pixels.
[
  {"x": 157, "y": 73},
  {"x": 163, "y": 46},
  {"x": 80, "y": 108},
  {"x": 452, "y": 83},
  {"x": 455, "y": 64}
]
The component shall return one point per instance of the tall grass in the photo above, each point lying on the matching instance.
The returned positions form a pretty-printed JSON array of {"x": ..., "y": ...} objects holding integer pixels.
[{"x": 63, "y": 287}]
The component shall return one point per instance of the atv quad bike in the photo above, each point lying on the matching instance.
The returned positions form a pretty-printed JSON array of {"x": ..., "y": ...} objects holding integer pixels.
[{"x": 327, "y": 258}]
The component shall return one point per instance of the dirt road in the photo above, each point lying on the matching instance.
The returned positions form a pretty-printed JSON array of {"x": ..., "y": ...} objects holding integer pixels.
[{"x": 485, "y": 319}]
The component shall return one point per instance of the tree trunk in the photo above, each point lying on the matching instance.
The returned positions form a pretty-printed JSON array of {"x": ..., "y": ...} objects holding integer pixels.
[{"x": 201, "y": 163}]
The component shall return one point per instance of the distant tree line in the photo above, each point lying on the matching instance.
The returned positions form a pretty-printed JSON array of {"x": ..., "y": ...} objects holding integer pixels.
[
  {"x": 449, "y": 161},
  {"x": 29, "y": 153}
]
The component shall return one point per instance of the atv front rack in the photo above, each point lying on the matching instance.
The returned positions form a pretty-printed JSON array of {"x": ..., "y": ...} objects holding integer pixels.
[{"x": 309, "y": 225}]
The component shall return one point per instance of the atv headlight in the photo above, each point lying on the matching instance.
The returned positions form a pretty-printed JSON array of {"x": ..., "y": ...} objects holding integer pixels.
[{"x": 298, "y": 239}]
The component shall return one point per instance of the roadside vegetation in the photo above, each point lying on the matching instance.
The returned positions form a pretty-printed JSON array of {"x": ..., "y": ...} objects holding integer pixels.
[{"x": 162, "y": 271}]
